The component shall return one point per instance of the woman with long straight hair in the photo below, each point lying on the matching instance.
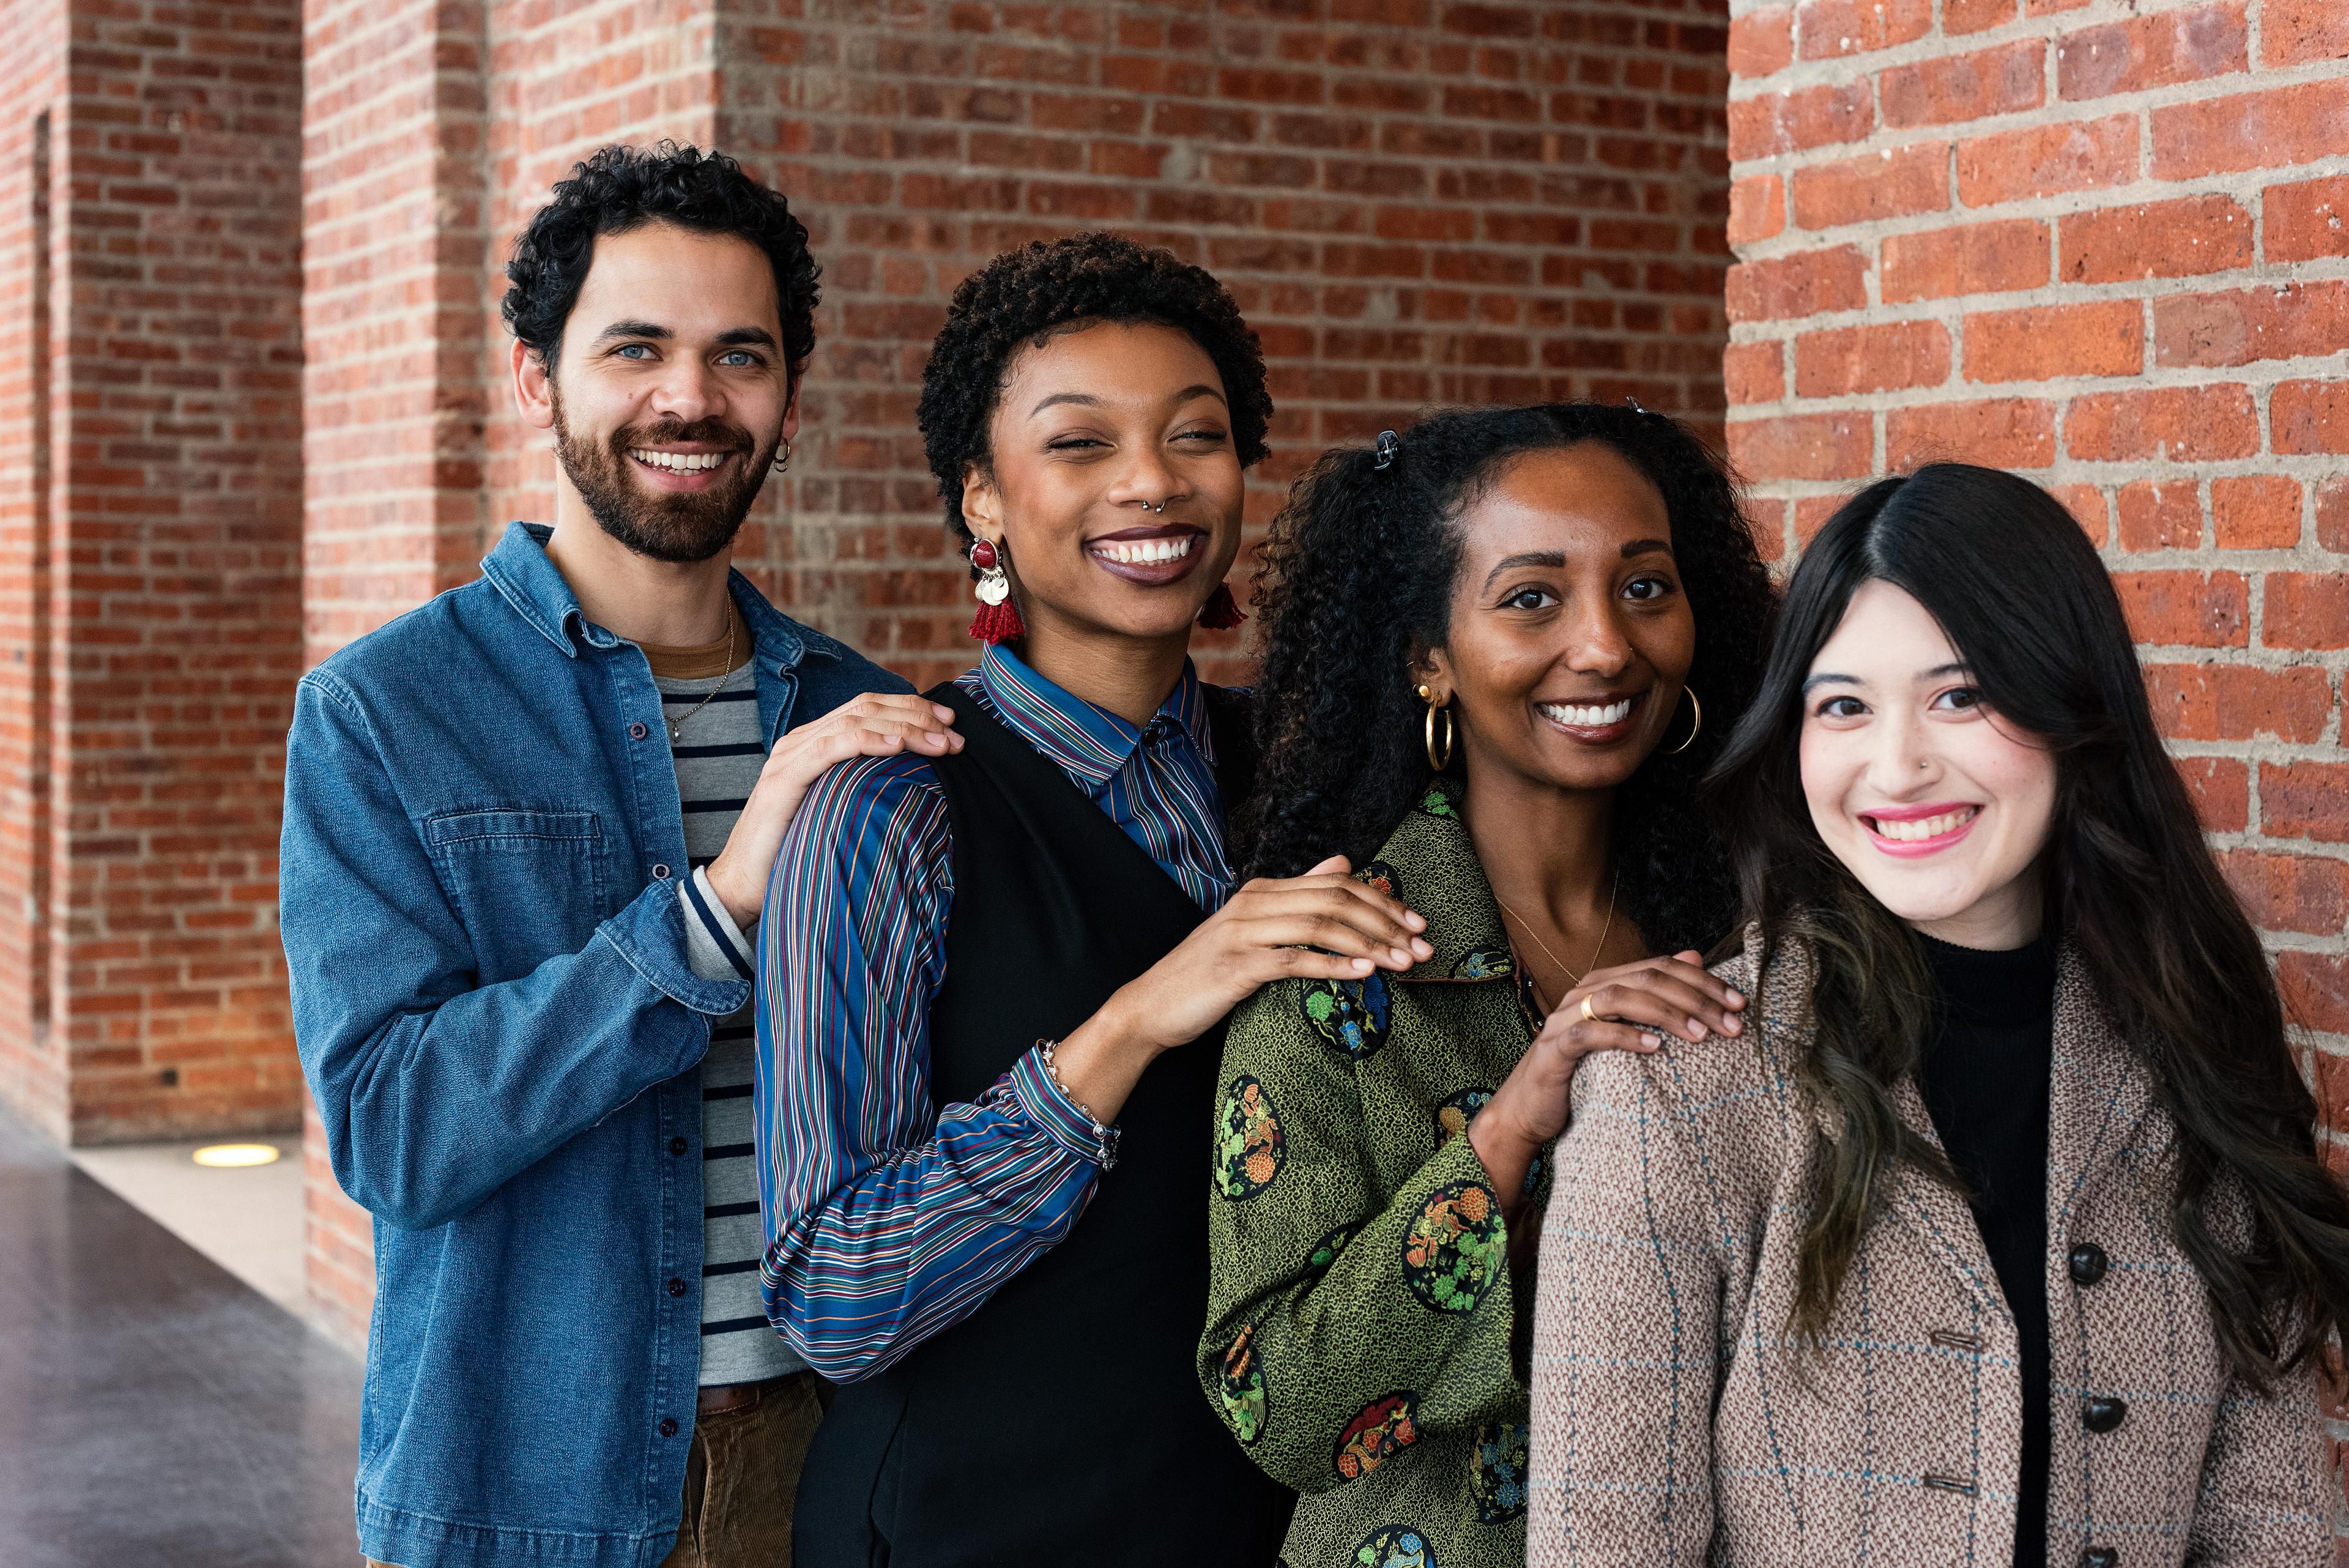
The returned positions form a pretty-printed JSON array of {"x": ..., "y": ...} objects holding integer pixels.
[
  {"x": 993, "y": 981},
  {"x": 2003, "y": 1235},
  {"x": 1499, "y": 650}
]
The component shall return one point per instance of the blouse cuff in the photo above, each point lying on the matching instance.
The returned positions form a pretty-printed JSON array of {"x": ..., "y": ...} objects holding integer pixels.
[{"x": 1044, "y": 1102}]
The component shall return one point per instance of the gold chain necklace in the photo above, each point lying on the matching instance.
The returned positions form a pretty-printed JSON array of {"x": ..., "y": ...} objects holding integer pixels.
[
  {"x": 676, "y": 725},
  {"x": 1573, "y": 979}
]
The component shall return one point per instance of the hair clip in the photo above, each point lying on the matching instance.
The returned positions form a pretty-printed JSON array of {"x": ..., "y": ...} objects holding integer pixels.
[
  {"x": 1635, "y": 405},
  {"x": 1389, "y": 444}
]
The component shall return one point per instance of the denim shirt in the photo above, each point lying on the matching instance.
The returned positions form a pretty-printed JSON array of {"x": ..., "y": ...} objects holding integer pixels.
[{"x": 499, "y": 1020}]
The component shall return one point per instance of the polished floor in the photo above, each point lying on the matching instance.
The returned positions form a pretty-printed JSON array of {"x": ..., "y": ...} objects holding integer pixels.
[
  {"x": 246, "y": 1218},
  {"x": 155, "y": 1411}
]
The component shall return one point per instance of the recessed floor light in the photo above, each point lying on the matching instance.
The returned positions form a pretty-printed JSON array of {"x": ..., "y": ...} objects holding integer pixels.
[{"x": 228, "y": 1155}]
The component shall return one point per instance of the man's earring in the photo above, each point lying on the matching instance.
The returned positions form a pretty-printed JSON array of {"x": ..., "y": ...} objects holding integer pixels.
[{"x": 785, "y": 462}]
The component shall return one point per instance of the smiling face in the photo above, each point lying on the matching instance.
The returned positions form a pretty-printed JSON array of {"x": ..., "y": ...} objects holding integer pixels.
[
  {"x": 1937, "y": 807},
  {"x": 669, "y": 394},
  {"x": 1114, "y": 488},
  {"x": 1571, "y": 636}
]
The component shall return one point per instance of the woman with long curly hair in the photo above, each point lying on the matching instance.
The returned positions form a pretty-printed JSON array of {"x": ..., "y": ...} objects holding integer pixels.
[
  {"x": 1500, "y": 651},
  {"x": 2002, "y": 1236},
  {"x": 993, "y": 981}
]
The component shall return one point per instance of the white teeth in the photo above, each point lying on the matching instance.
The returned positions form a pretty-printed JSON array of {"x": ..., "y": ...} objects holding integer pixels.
[
  {"x": 1143, "y": 552},
  {"x": 679, "y": 461},
  {"x": 1575, "y": 717},
  {"x": 1924, "y": 828}
]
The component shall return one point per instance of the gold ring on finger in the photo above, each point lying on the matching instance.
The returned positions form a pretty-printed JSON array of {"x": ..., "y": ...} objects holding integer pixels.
[{"x": 1590, "y": 1014}]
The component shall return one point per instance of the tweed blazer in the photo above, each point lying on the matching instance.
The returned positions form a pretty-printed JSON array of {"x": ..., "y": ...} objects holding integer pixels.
[{"x": 1675, "y": 1419}]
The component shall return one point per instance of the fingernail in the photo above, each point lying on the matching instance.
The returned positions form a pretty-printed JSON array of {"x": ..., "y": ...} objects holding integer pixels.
[
  {"x": 1653, "y": 1042},
  {"x": 1401, "y": 958},
  {"x": 1697, "y": 1024},
  {"x": 1731, "y": 1027},
  {"x": 1364, "y": 965},
  {"x": 1414, "y": 920}
]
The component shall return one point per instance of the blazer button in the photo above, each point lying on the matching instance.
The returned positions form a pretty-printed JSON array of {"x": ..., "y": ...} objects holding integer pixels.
[
  {"x": 678, "y": 1145},
  {"x": 669, "y": 1427},
  {"x": 637, "y": 731},
  {"x": 677, "y": 1287},
  {"x": 2101, "y": 1557},
  {"x": 2102, "y": 1414},
  {"x": 2088, "y": 1263}
]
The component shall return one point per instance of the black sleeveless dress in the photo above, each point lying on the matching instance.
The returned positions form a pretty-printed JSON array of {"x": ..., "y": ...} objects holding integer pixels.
[{"x": 1061, "y": 1422}]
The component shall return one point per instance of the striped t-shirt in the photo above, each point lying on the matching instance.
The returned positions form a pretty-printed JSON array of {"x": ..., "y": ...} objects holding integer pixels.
[{"x": 719, "y": 753}]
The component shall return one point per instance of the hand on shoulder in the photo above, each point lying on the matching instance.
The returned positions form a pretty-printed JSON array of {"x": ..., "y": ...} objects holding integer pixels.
[
  {"x": 1632, "y": 1007},
  {"x": 876, "y": 724}
]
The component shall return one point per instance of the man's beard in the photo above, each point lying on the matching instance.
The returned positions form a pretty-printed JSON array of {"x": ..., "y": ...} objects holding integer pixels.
[{"x": 683, "y": 529}]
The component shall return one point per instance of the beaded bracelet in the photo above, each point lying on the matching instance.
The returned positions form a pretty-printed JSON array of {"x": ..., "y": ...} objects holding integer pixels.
[{"x": 1104, "y": 1136}]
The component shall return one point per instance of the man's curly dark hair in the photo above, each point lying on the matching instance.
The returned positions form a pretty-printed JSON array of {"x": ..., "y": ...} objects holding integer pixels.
[
  {"x": 1356, "y": 585},
  {"x": 618, "y": 189},
  {"x": 1024, "y": 297}
]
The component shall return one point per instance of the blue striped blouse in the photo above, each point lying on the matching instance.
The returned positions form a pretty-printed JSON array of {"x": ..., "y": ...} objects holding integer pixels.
[{"x": 889, "y": 1219}]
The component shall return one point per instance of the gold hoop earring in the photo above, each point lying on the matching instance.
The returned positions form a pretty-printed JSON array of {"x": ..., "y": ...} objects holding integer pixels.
[
  {"x": 1435, "y": 760},
  {"x": 1696, "y": 722},
  {"x": 785, "y": 462}
]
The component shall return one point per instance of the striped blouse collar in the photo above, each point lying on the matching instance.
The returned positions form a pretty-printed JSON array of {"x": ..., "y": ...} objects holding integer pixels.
[{"x": 1089, "y": 743}]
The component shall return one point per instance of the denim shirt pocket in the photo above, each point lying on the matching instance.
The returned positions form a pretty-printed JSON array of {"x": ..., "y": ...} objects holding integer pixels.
[{"x": 527, "y": 881}]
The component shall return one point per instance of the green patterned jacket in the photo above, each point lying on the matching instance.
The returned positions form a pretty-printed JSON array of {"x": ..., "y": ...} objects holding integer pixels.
[{"x": 1357, "y": 1342}]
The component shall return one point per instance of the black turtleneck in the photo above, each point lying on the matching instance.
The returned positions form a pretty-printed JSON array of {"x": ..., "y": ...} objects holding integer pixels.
[{"x": 1985, "y": 1081}]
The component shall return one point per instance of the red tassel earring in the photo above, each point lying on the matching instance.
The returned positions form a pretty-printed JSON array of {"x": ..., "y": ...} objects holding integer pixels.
[
  {"x": 1221, "y": 612},
  {"x": 997, "y": 619}
]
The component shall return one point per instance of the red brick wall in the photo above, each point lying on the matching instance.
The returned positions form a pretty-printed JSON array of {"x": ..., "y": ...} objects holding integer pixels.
[
  {"x": 2105, "y": 243},
  {"x": 1416, "y": 202},
  {"x": 149, "y": 564},
  {"x": 32, "y": 1070}
]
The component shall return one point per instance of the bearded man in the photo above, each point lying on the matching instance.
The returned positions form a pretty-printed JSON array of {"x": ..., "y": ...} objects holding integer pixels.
[{"x": 528, "y": 829}]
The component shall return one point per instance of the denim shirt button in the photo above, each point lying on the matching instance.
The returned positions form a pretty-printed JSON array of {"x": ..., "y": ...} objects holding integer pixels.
[
  {"x": 637, "y": 732},
  {"x": 669, "y": 1427},
  {"x": 678, "y": 1145},
  {"x": 677, "y": 1287},
  {"x": 660, "y": 872}
]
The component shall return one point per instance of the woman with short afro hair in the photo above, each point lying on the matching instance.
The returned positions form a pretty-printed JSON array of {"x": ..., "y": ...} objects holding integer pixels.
[{"x": 994, "y": 982}]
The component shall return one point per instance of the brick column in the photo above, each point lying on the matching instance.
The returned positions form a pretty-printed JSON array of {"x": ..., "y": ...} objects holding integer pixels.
[
  {"x": 153, "y": 442},
  {"x": 32, "y": 1070},
  {"x": 393, "y": 117},
  {"x": 2105, "y": 243}
]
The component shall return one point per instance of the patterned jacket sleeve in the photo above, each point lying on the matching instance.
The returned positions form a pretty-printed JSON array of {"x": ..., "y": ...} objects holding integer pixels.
[
  {"x": 1626, "y": 1332},
  {"x": 1342, "y": 1319},
  {"x": 2265, "y": 1493}
]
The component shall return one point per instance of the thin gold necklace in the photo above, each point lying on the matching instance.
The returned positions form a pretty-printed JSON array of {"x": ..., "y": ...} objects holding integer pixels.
[
  {"x": 1573, "y": 979},
  {"x": 675, "y": 725}
]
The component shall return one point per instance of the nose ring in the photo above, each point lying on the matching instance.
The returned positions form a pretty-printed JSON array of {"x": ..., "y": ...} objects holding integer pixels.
[{"x": 1160, "y": 507}]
